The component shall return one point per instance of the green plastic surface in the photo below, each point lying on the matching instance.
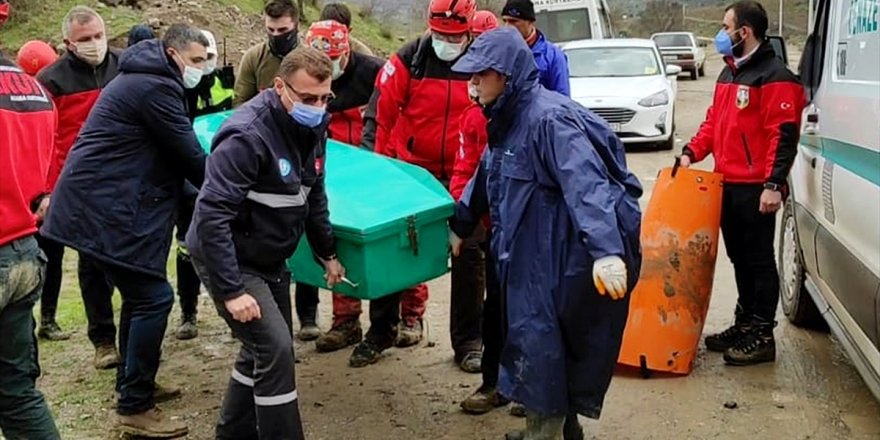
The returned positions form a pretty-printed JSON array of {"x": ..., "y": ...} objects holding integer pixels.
[{"x": 389, "y": 218}]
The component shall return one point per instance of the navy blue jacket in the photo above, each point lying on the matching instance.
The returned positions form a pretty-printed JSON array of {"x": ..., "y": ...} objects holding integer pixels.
[
  {"x": 555, "y": 183},
  {"x": 117, "y": 195},
  {"x": 552, "y": 66},
  {"x": 264, "y": 188}
]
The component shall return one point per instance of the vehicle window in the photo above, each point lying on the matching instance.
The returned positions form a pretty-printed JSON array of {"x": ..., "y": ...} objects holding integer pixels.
[
  {"x": 813, "y": 59},
  {"x": 673, "y": 40},
  {"x": 612, "y": 62},
  {"x": 559, "y": 26},
  {"x": 857, "y": 42}
]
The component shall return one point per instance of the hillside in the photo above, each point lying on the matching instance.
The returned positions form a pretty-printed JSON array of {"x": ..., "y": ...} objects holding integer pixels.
[{"x": 236, "y": 20}]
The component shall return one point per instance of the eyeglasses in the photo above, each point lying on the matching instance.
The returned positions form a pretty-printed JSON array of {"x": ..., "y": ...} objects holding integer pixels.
[{"x": 308, "y": 99}]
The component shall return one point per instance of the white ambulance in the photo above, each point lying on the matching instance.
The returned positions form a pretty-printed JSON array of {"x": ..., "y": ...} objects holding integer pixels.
[
  {"x": 570, "y": 20},
  {"x": 829, "y": 245}
]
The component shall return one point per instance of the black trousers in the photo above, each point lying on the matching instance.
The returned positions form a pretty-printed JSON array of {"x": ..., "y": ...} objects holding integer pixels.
[
  {"x": 52, "y": 288},
  {"x": 188, "y": 283},
  {"x": 96, "y": 288},
  {"x": 467, "y": 291},
  {"x": 748, "y": 236},
  {"x": 306, "y": 303},
  {"x": 494, "y": 322}
]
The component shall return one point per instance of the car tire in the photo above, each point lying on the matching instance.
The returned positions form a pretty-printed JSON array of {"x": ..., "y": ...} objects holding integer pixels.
[
  {"x": 694, "y": 74},
  {"x": 702, "y": 71},
  {"x": 798, "y": 306}
]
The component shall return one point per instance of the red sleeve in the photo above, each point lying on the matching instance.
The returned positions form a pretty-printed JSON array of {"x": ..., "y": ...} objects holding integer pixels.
[
  {"x": 473, "y": 139},
  {"x": 392, "y": 87},
  {"x": 703, "y": 142},
  {"x": 784, "y": 103}
]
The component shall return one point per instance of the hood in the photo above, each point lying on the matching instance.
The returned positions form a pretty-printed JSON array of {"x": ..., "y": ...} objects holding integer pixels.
[
  {"x": 504, "y": 51},
  {"x": 149, "y": 57},
  {"x": 624, "y": 87}
]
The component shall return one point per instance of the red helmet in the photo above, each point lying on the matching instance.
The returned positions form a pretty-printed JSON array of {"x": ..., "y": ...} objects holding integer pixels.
[
  {"x": 35, "y": 55},
  {"x": 451, "y": 16},
  {"x": 483, "y": 21}
]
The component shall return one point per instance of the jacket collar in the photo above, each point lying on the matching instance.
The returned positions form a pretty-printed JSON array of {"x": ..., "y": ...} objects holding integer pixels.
[{"x": 762, "y": 53}]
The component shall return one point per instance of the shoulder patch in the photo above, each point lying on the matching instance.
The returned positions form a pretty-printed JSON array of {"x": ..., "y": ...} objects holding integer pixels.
[
  {"x": 742, "y": 97},
  {"x": 388, "y": 71},
  {"x": 284, "y": 167}
]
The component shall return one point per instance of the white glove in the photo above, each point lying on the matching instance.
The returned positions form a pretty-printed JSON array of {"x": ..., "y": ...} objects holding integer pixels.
[
  {"x": 454, "y": 243},
  {"x": 609, "y": 275}
]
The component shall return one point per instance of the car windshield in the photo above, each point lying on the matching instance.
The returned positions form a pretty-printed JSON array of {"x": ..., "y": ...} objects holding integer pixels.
[
  {"x": 612, "y": 62},
  {"x": 673, "y": 40},
  {"x": 569, "y": 25}
]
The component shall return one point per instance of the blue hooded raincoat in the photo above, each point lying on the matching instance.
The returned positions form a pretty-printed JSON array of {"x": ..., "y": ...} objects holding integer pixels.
[{"x": 555, "y": 183}]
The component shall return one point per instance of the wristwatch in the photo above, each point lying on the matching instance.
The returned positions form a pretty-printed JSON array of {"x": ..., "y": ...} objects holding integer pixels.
[{"x": 773, "y": 186}]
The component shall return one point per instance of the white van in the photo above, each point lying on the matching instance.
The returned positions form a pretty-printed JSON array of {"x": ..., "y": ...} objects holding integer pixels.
[
  {"x": 570, "y": 20},
  {"x": 829, "y": 245}
]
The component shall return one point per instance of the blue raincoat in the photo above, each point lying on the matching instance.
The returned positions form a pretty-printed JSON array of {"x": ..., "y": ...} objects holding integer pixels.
[{"x": 555, "y": 183}]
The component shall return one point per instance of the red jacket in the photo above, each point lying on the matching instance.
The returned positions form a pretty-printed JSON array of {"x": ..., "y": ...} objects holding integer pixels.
[
  {"x": 473, "y": 142},
  {"x": 418, "y": 109},
  {"x": 353, "y": 91},
  {"x": 75, "y": 86},
  {"x": 27, "y": 136},
  {"x": 753, "y": 125}
]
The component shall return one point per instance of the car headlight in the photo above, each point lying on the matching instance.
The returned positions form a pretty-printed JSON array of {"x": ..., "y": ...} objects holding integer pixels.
[{"x": 659, "y": 98}]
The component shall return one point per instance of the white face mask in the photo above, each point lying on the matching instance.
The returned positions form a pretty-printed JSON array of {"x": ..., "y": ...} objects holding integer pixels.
[
  {"x": 447, "y": 51},
  {"x": 192, "y": 76},
  {"x": 210, "y": 66},
  {"x": 472, "y": 91},
  {"x": 92, "y": 52},
  {"x": 337, "y": 68}
]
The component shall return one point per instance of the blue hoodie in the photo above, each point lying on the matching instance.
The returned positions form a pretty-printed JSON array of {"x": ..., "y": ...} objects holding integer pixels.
[
  {"x": 552, "y": 65},
  {"x": 555, "y": 184},
  {"x": 116, "y": 197}
]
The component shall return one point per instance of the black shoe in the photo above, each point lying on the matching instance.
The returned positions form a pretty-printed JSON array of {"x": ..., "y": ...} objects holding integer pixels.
[
  {"x": 572, "y": 429},
  {"x": 50, "y": 331},
  {"x": 723, "y": 341},
  {"x": 756, "y": 347},
  {"x": 188, "y": 329},
  {"x": 367, "y": 353}
]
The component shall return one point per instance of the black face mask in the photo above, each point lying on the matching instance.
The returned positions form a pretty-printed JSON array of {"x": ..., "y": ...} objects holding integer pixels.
[{"x": 281, "y": 45}]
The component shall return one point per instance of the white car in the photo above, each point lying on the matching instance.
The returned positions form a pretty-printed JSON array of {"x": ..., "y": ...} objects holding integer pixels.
[
  {"x": 684, "y": 50},
  {"x": 625, "y": 82}
]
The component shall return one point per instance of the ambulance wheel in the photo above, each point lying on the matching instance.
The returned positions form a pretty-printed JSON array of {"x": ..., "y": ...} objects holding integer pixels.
[{"x": 797, "y": 304}]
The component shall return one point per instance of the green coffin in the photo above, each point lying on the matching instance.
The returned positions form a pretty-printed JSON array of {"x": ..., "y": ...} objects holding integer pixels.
[{"x": 389, "y": 218}]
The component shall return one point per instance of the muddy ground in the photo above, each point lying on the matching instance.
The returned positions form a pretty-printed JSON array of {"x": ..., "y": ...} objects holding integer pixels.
[{"x": 811, "y": 392}]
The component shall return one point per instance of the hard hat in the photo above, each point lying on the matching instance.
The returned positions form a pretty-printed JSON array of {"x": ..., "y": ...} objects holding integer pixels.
[
  {"x": 483, "y": 21},
  {"x": 451, "y": 16},
  {"x": 35, "y": 55}
]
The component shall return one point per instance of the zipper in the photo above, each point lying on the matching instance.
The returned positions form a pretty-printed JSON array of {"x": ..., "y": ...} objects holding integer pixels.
[
  {"x": 746, "y": 148},
  {"x": 445, "y": 127}
]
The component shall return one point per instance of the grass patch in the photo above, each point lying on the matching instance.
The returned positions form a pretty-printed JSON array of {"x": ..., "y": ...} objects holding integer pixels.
[{"x": 43, "y": 21}]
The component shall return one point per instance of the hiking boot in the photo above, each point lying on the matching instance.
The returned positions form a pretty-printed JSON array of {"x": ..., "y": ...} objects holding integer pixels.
[
  {"x": 50, "y": 331},
  {"x": 471, "y": 362},
  {"x": 340, "y": 336},
  {"x": 366, "y": 353},
  {"x": 517, "y": 410},
  {"x": 188, "y": 328},
  {"x": 106, "y": 357},
  {"x": 309, "y": 332},
  {"x": 572, "y": 429},
  {"x": 151, "y": 424},
  {"x": 485, "y": 399},
  {"x": 756, "y": 347},
  {"x": 721, "y": 342},
  {"x": 409, "y": 333}
]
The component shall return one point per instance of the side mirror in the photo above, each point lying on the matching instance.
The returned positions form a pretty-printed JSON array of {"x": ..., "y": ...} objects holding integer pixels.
[
  {"x": 673, "y": 70},
  {"x": 778, "y": 44}
]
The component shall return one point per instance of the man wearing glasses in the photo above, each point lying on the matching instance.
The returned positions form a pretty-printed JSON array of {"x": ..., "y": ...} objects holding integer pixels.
[
  {"x": 414, "y": 116},
  {"x": 264, "y": 189}
]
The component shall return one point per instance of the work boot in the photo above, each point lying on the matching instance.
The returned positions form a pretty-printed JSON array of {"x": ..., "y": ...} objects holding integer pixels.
[
  {"x": 721, "y": 342},
  {"x": 756, "y": 347},
  {"x": 572, "y": 429},
  {"x": 485, "y": 399},
  {"x": 309, "y": 331},
  {"x": 161, "y": 393},
  {"x": 340, "y": 336},
  {"x": 409, "y": 333},
  {"x": 367, "y": 353},
  {"x": 471, "y": 362},
  {"x": 188, "y": 327},
  {"x": 106, "y": 356},
  {"x": 539, "y": 428},
  {"x": 151, "y": 424},
  {"x": 51, "y": 331},
  {"x": 517, "y": 410}
]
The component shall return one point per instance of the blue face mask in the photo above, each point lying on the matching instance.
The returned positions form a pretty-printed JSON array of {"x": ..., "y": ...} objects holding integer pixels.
[
  {"x": 307, "y": 115},
  {"x": 724, "y": 44}
]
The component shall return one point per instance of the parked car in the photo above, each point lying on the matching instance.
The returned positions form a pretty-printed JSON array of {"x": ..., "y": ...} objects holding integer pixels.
[
  {"x": 682, "y": 49},
  {"x": 625, "y": 82},
  {"x": 829, "y": 245}
]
